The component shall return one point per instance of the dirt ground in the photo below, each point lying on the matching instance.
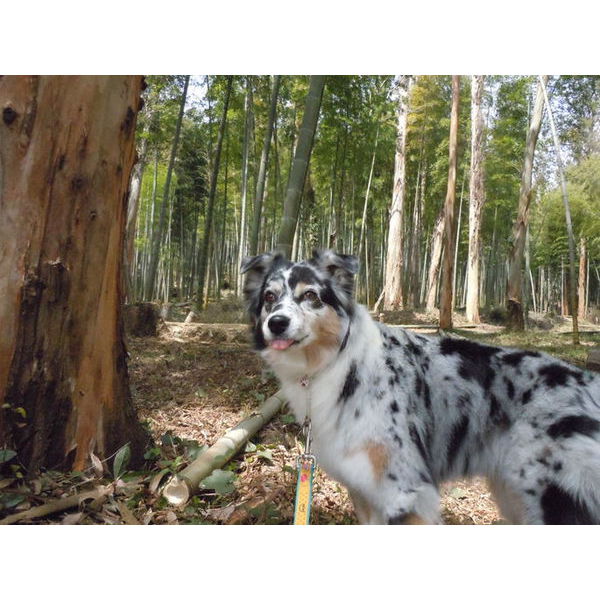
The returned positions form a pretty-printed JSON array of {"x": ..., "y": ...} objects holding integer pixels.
[{"x": 190, "y": 385}]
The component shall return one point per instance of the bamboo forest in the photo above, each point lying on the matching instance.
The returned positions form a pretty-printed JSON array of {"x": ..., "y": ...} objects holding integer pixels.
[{"x": 216, "y": 157}]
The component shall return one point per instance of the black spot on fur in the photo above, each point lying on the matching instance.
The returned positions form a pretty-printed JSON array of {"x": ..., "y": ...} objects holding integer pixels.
[
  {"x": 560, "y": 508},
  {"x": 394, "y": 406},
  {"x": 464, "y": 401},
  {"x": 398, "y": 440},
  {"x": 457, "y": 438},
  {"x": 418, "y": 385},
  {"x": 514, "y": 358},
  {"x": 392, "y": 477},
  {"x": 474, "y": 359},
  {"x": 557, "y": 466},
  {"x": 556, "y": 374},
  {"x": 424, "y": 477},
  {"x": 414, "y": 349},
  {"x": 526, "y": 397},
  {"x": 574, "y": 424},
  {"x": 357, "y": 413},
  {"x": 530, "y": 492},
  {"x": 498, "y": 415},
  {"x": 426, "y": 396},
  {"x": 352, "y": 382},
  {"x": 416, "y": 438},
  {"x": 329, "y": 297},
  {"x": 510, "y": 388}
]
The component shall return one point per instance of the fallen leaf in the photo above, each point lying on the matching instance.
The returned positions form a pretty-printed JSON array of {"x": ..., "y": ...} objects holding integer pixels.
[
  {"x": 72, "y": 519},
  {"x": 156, "y": 481},
  {"x": 220, "y": 481},
  {"x": 97, "y": 464},
  {"x": 220, "y": 514},
  {"x": 458, "y": 493}
]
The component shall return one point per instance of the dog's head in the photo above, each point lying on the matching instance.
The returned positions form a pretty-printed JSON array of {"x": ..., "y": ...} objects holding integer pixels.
[{"x": 300, "y": 307}]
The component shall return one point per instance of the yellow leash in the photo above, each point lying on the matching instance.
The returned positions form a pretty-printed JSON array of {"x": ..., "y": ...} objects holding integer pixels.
[{"x": 305, "y": 465}]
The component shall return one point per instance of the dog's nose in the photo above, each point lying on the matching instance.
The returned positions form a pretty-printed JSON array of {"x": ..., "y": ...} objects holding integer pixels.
[{"x": 278, "y": 324}]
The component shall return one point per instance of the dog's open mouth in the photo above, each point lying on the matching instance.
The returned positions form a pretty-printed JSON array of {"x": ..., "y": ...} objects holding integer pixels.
[
  {"x": 281, "y": 344},
  {"x": 284, "y": 344}
]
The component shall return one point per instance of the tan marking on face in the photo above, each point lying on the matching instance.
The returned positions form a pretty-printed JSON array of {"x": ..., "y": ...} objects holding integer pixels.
[
  {"x": 299, "y": 289},
  {"x": 379, "y": 457},
  {"x": 327, "y": 329}
]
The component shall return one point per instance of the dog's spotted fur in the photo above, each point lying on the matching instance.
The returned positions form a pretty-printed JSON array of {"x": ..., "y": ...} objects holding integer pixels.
[{"x": 396, "y": 413}]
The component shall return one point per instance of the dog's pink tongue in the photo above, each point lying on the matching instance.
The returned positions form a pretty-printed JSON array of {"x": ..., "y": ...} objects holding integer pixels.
[{"x": 281, "y": 344}]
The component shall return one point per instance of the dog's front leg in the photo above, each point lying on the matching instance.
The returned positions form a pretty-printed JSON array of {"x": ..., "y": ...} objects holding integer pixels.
[{"x": 365, "y": 512}]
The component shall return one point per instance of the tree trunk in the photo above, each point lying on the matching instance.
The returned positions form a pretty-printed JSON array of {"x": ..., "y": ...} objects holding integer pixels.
[
  {"x": 160, "y": 230},
  {"x": 299, "y": 167},
  {"x": 135, "y": 187},
  {"x": 449, "y": 220},
  {"x": 363, "y": 221},
  {"x": 573, "y": 295},
  {"x": 262, "y": 172},
  {"x": 244, "y": 194},
  {"x": 582, "y": 277},
  {"x": 514, "y": 284},
  {"x": 202, "y": 262},
  {"x": 393, "y": 266},
  {"x": 63, "y": 372},
  {"x": 435, "y": 262},
  {"x": 476, "y": 198}
]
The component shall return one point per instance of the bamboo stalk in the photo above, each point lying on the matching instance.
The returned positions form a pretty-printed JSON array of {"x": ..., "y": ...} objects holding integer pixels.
[
  {"x": 59, "y": 505},
  {"x": 181, "y": 486}
]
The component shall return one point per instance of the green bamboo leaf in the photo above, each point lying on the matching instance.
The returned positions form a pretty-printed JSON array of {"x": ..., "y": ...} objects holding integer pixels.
[
  {"x": 220, "y": 481},
  {"x": 6, "y": 455},
  {"x": 121, "y": 461}
]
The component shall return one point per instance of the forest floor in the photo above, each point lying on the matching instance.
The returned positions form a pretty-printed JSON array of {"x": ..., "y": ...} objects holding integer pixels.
[{"x": 190, "y": 385}]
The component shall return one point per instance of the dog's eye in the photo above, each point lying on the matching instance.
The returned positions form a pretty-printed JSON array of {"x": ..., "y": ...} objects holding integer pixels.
[
  {"x": 310, "y": 296},
  {"x": 270, "y": 297}
]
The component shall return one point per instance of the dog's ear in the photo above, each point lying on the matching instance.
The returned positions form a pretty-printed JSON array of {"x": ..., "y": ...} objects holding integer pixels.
[
  {"x": 255, "y": 268},
  {"x": 340, "y": 267}
]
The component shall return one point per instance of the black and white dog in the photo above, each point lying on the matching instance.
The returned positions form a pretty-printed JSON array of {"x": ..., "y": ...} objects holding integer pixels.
[{"x": 395, "y": 413}]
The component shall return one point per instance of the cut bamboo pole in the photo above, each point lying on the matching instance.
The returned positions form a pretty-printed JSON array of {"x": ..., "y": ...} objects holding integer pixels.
[
  {"x": 181, "y": 486},
  {"x": 59, "y": 505}
]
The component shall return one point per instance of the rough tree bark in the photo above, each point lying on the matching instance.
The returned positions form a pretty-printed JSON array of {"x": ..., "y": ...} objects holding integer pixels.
[
  {"x": 393, "y": 266},
  {"x": 514, "y": 283},
  {"x": 449, "y": 220},
  {"x": 66, "y": 153},
  {"x": 476, "y": 198},
  {"x": 293, "y": 195}
]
